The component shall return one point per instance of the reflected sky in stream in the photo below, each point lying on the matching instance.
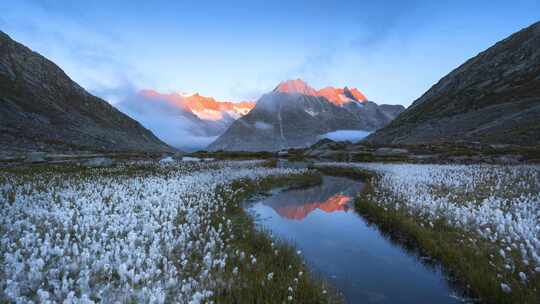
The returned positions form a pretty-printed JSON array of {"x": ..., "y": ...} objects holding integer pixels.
[{"x": 336, "y": 242}]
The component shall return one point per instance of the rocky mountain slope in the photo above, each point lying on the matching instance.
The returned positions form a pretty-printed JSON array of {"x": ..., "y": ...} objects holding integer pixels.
[
  {"x": 337, "y": 96},
  {"x": 41, "y": 108},
  {"x": 296, "y": 115},
  {"x": 492, "y": 98}
]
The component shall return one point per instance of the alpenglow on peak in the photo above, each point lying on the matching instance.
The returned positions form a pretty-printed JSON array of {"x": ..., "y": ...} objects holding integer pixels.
[{"x": 337, "y": 96}]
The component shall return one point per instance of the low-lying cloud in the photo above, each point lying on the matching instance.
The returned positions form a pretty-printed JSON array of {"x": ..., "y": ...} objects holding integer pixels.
[
  {"x": 263, "y": 125},
  {"x": 167, "y": 122},
  {"x": 346, "y": 135}
]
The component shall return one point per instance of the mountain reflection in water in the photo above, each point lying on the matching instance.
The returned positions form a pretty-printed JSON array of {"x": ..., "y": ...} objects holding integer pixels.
[
  {"x": 333, "y": 195},
  {"x": 338, "y": 202},
  {"x": 340, "y": 245}
]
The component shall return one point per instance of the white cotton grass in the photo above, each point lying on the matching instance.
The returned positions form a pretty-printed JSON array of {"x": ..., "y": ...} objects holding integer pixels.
[
  {"x": 97, "y": 236},
  {"x": 500, "y": 204}
]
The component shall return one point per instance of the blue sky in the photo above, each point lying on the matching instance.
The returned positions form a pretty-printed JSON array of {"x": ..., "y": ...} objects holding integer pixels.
[{"x": 393, "y": 51}]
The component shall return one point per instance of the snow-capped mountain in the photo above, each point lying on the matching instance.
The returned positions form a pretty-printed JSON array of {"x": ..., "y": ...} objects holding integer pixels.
[
  {"x": 188, "y": 121},
  {"x": 205, "y": 108},
  {"x": 296, "y": 115},
  {"x": 337, "y": 96},
  {"x": 341, "y": 96}
]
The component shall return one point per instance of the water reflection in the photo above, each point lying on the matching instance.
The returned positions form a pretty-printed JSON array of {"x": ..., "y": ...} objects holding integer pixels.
[
  {"x": 339, "y": 244},
  {"x": 298, "y": 203}
]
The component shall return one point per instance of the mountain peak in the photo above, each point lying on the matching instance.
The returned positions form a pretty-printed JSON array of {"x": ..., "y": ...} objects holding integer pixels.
[
  {"x": 295, "y": 86},
  {"x": 186, "y": 94},
  {"x": 337, "y": 96},
  {"x": 354, "y": 93},
  {"x": 206, "y": 108}
]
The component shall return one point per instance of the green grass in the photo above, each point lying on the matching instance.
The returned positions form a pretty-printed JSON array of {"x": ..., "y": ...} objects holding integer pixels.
[
  {"x": 251, "y": 284},
  {"x": 346, "y": 172},
  {"x": 463, "y": 255},
  {"x": 232, "y": 155}
]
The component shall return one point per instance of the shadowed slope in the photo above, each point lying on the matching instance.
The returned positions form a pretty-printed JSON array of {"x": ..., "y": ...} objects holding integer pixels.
[
  {"x": 41, "y": 108},
  {"x": 492, "y": 98}
]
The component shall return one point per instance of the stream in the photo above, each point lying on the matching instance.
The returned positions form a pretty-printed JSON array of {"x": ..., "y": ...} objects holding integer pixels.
[{"x": 338, "y": 244}]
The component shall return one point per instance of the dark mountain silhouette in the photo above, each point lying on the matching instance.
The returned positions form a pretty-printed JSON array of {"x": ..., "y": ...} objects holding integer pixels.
[
  {"x": 41, "y": 108},
  {"x": 492, "y": 98}
]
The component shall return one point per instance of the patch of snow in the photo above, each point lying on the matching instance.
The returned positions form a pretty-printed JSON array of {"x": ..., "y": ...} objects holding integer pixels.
[
  {"x": 166, "y": 160},
  {"x": 311, "y": 112},
  {"x": 190, "y": 159},
  {"x": 234, "y": 114},
  {"x": 241, "y": 110},
  {"x": 185, "y": 94},
  {"x": 346, "y": 135},
  {"x": 344, "y": 98},
  {"x": 263, "y": 125},
  {"x": 208, "y": 114}
]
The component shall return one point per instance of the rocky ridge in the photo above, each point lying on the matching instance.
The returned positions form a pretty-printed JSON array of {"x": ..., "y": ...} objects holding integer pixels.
[
  {"x": 42, "y": 109},
  {"x": 493, "y": 98}
]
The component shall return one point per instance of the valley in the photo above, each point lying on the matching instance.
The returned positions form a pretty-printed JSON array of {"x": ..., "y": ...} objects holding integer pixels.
[
  {"x": 468, "y": 241},
  {"x": 345, "y": 153}
]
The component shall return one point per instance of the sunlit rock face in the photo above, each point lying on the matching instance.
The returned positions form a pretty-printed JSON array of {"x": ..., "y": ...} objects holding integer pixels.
[
  {"x": 295, "y": 86},
  {"x": 338, "y": 202},
  {"x": 337, "y": 96},
  {"x": 295, "y": 115},
  {"x": 341, "y": 96},
  {"x": 206, "y": 108}
]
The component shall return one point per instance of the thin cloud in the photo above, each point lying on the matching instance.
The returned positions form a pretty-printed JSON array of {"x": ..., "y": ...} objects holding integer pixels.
[{"x": 166, "y": 121}]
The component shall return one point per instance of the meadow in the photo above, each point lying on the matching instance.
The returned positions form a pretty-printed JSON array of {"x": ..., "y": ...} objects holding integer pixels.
[
  {"x": 146, "y": 232},
  {"x": 482, "y": 222}
]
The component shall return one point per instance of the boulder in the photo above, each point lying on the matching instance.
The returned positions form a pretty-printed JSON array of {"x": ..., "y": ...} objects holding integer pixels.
[
  {"x": 314, "y": 152},
  {"x": 499, "y": 146},
  {"x": 178, "y": 155},
  {"x": 98, "y": 162},
  {"x": 425, "y": 158},
  {"x": 35, "y": 157},
  {"x": 390, "y": 152},
  {"x": 191, "y": 159},
  {"x": 508, "y": 159},
  {"x": 166, "y": 160}
]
